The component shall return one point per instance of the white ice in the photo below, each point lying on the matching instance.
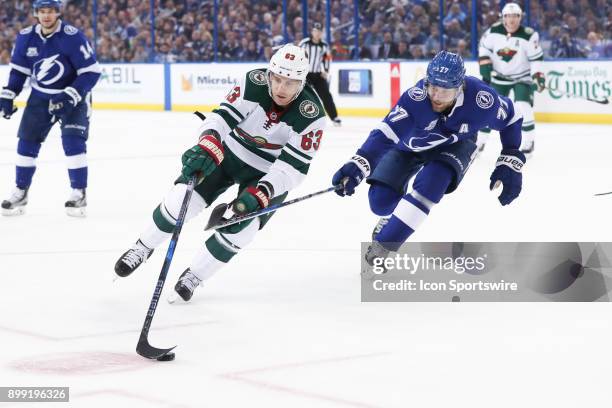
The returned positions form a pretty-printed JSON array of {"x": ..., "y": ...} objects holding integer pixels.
[{"x": 282, "y": 325}]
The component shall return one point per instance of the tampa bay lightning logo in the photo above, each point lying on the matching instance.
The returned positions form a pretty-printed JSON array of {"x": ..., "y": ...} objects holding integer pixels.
[
  {"x": 49, "y": 70},
  {"x": 431, "y": 140},
  {"x": 417, "y": 94},
  {"x": 484, "y": 99},
  {"x": 70, "y": 30}
]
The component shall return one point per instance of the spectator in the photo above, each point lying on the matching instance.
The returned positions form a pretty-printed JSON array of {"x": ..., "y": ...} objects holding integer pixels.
[
  {"x": 388, "y": 49},
  {"x": 432, "y": 43},
  {"x": 340, "y": 51},
  {"x": 403, "y": 52},
  {"x": 416, "y": 36},
  {"x": 455, "y": 33},
  {"x": 373, "y": 40},
  {"x": 594, "y": 48},
  {"x": 417, "y": 52},
  {"x": 566, "y": 46},
  {"x": 455, "y": 14},
  {"x": 124, "y": 26},
  {"x": 463, "y": 50}
]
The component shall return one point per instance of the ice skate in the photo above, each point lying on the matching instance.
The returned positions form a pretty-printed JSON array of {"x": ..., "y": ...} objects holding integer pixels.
[
  {"x": 185, "y": 286},
  {"x": 77, "y": 203},
  {"x": 15, "y": 204},
  {"x": 132, "y": 259},
  {"x": 374, "y": 261}
]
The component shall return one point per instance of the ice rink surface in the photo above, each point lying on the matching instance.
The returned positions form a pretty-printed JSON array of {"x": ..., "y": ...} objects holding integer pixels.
[{"x": 282, "y": 325}]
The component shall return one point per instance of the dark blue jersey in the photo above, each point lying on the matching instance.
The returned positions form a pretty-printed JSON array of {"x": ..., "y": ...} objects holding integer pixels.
[
  {"x": 413, "y": 125},
  {"x": 54, "y": 62}
]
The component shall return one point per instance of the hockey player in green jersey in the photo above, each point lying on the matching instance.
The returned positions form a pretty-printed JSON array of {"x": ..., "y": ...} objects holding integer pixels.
[
  {"x": 509, "y": 56},
  {"x": 262, "y": 137}
]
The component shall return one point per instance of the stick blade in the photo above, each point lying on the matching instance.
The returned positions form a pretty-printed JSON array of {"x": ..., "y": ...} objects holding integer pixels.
[
  {"x": 146, "y": 350},
  {"x": 216, "y": 216}
]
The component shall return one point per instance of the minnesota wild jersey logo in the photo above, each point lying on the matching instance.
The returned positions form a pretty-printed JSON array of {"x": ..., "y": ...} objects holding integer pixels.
[
  {"x": 256, "y": 141},
  {"x": 309, "y": 109},
  {"x": 506, "y": 54},
  {"x": 257, "y": 77}
]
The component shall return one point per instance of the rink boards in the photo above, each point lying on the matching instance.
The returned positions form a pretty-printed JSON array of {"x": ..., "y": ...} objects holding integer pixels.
[{"x": 364, "y": 89}]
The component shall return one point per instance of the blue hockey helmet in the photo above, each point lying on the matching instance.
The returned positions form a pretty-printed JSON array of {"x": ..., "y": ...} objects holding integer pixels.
[
  {"x": 38, "y": 4},
  {"x": 446, "y": 70}
]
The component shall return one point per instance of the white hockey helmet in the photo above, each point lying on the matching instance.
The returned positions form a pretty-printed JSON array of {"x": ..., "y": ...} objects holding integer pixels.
[
  {"x": 512, "y": 9},
  {"x": 289, "y": 61}
]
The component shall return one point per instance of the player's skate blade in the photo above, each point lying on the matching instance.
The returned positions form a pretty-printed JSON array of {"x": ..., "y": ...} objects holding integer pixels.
[
  {"x": 373, "y": 262},
  {"x": 14, "y": 212},
  {"x": 15, "y": 205},
  {"x": 186, "y": 285},
  {"x": 77, "y": 203},
  {"x": 132, "y": 259}
]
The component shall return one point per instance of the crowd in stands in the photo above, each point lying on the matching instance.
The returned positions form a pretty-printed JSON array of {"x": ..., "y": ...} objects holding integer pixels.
[{"x": 249, "y": 30}]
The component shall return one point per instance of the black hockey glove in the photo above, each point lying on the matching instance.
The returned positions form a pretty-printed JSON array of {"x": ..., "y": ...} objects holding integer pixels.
[
  {"x": 508, "y": 172},
  {"x": 351, "y": 174},
  {"x": 62, "y": 104},
  {"x": 7, "y": 108}
]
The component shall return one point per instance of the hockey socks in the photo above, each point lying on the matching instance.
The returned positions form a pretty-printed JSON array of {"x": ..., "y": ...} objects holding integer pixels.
[
  {"x": 27, "y": 152},
  {"x": 410, "y": 212},
  {"x": 75, "y": 148},
  {"x": 220, "y": 248}
]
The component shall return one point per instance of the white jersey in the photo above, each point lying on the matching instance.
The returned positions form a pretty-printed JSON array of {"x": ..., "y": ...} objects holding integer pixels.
[
  {"x": 514, "y": 56},
  {"x": 279, "y": 143}
]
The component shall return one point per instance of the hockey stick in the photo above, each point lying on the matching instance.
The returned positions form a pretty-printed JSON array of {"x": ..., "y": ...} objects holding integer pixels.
[
  {"x": 144, "y": 348},
  {"x": 217, "y": 221},
  {"x": 602, "y": 194}
]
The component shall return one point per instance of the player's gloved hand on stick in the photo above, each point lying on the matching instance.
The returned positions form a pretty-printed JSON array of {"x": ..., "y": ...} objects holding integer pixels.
[
  {"x": 63, "y": 103},
  {"x": 253, "y": 198},
  {"x": 539, "y": 81},
  {"x": 204, "y": 157},
  {"x": 249, "y": 200},
  {"x": 351, "y": 174},
  {"x": 7, "y": 108},
  {"x": 508, "y": 172}
]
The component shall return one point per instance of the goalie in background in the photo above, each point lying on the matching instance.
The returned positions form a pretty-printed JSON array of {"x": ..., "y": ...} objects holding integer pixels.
[{"x": 262, "y": 137}]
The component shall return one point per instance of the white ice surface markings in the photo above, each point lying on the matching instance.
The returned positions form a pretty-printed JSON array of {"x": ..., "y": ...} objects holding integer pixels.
[{"x": 292, "y": 297}]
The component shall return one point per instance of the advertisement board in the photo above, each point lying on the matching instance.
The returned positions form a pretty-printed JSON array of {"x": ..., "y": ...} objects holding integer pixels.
[
  {"x": 203, "y": 86},
  {"x": 130, "y": 86},
  {"x": 574, "y": 88}
]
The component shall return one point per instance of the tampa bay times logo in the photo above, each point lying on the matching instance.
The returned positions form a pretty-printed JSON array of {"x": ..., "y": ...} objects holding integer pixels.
[{"x": 579, "y": 83}]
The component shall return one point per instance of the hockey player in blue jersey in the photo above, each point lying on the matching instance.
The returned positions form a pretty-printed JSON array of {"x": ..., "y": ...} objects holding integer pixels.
[
  {"x": 63, "y": 70},
  {"x": 430, "y": 135}
]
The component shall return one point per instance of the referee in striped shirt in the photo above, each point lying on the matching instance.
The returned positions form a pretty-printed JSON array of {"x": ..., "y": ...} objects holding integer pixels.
[{"x": 319, "y": 58}]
